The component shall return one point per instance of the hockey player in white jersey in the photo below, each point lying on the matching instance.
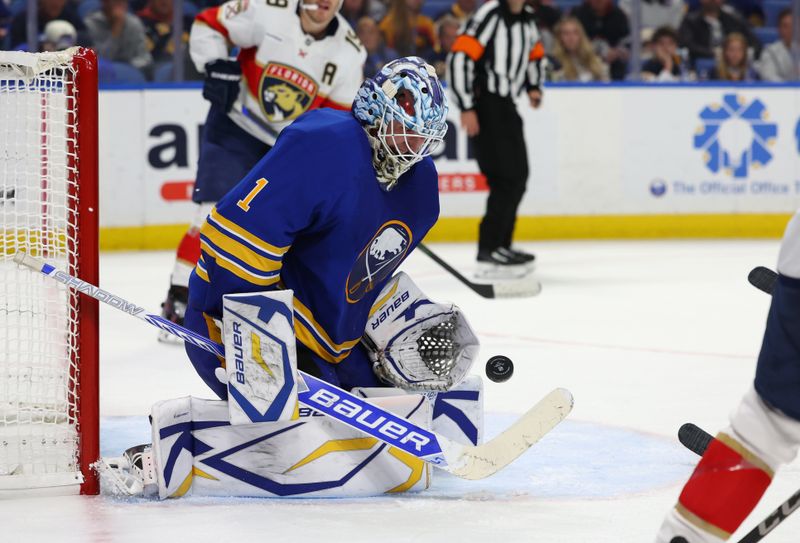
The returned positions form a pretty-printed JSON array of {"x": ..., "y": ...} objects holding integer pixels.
[
  {"x": 764, "y": 432},
  {"x": 294, "y": 56}
]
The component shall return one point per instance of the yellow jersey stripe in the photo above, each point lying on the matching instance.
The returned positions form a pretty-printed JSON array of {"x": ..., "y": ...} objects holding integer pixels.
[
  {"x": 239, "y": 250},
  {"x": 306, "y": 315},
  {"x": 237, "y": 270},
  {"x": 214, "y": 334},
  {"x": 202, "y": 273},
  {"x": 306, "y": 337},
  {"x": 246, "y": 236}
]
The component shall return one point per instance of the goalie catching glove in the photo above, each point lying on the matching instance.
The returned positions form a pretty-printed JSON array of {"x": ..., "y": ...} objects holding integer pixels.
[{"x": 417, "y": 344}]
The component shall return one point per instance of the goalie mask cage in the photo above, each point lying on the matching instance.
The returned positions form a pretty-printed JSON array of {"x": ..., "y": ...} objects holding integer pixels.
[{"x": 49, "y": 429}]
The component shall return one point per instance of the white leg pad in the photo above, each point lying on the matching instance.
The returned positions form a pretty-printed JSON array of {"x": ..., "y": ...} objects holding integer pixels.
[
  {"x": 260, "y": 356},
  {"x": 457, "y": 413},
  {"x": 767, "y": 433},
  {"x": 197, "y": 452},
  {"x": 789, "y": 257}
]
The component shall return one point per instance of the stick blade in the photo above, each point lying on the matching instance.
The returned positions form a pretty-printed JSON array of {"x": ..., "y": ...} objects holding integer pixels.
[
  {"x": 763, "y": 279},
  {"x": 694, "y": 438},
  {"x": 487, "y": 459},
  {"x": 516, "y": 288}
]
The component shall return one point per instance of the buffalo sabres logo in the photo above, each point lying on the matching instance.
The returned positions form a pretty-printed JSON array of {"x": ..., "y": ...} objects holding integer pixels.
[
  {"x": 285, "y": 92},
  {"x": 384, "y": 252}
]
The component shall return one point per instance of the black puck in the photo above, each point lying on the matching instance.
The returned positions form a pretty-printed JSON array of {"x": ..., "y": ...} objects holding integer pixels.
[
  {"x": 499, "y": 368},
  {"x": 679, "y": 539}
]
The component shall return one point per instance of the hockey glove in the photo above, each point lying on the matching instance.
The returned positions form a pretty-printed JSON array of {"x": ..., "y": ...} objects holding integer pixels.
[{"x": 221, "y": 86}]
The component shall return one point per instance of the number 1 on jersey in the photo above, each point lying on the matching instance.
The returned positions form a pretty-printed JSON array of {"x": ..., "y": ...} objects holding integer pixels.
[{"x": 244, "y": 203}]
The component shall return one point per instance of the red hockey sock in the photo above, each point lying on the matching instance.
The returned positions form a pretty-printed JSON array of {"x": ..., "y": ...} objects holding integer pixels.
[
  {"x": 189, "y": 248},
  {"x": 725, "y": 486}
]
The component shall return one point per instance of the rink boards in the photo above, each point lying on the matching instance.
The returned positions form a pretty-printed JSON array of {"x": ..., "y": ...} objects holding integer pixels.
[{"x": 606, "y": 161}]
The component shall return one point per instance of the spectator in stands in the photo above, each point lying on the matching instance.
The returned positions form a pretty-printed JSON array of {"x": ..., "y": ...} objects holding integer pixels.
[
  {"x": 607, "y": 27},
  {"x": 546, "y": 17},
  {"x": 354, "y": 10},
  {"x": 48, "y": 10},
  {"x": 447, "y": 32},
  {"x": 657, "y": 13},
  {"x": 59, "y": 35},
  {"x": 666, "y": 64},
  {"x": 377, "y": 52},
  {"x": 573, "y": 58},
  {"x": 733, "y": 63},
  {"x": 460, "y": 9},
  {"x": 750, "y": 10},
  {"x": 407, "y": 30},
  {"x": 702, "y": 31},
  {"x": 119, "y": 36},
  {"x": 5, "y": 20},
  {"x": 156, "y": 17},
  {"x": 776, "y": 63}
]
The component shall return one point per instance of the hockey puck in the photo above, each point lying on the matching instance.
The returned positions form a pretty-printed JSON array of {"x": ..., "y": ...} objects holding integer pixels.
[
  {"x": 679, "y": 539},
  {"x": 499, "y": 368}
]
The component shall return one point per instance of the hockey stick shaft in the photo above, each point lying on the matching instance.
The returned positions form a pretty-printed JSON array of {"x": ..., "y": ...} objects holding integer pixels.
[
  {"x": 483, "y": 290},
  {"x": 464, "y": 461},
  {"x": 515, "y": 288},
  {"x": 697, "y": 440}
]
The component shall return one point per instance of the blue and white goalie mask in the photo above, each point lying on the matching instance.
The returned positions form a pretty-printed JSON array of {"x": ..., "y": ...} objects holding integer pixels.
[{"x": 403, "y": 110}]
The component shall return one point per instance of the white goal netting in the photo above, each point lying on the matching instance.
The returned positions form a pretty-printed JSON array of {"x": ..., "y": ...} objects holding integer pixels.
[{"x": 38, "y": 317}]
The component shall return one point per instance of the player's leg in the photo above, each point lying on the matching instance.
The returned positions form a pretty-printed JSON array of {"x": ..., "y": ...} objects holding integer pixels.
[
  {"x": 518, "y": 174},
  {"x": 764, "y": 433},
  {"x": 227, "y": 153},
  {"x": 497, "y": 147}
]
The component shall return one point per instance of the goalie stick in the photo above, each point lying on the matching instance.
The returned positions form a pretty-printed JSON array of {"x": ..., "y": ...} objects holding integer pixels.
[
  {"x": 465, "y": 461},
  {"x": 512, "y": 288},
  {"x": 697, "y": 440}
]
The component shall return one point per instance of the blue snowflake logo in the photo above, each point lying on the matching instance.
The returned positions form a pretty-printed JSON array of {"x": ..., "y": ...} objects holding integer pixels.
[{"x": 735, "y": 135}]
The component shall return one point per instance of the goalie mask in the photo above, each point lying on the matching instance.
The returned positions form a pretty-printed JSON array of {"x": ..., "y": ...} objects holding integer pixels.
[{"x": 403, "y": 110}]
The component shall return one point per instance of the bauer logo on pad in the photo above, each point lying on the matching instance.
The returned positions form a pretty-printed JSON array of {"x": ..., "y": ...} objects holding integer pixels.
[{"x": 261, "y": 359}]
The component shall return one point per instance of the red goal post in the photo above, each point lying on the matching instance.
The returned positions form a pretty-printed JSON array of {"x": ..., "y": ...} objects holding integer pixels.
[{"x": 49, "y": 408}]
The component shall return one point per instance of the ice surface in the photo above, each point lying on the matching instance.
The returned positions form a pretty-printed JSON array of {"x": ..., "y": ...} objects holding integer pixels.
[{"x": 646, "y": 335}]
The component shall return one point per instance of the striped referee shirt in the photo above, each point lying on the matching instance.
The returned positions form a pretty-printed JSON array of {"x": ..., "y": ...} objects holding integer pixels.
[{"x": 498, "y": 52}]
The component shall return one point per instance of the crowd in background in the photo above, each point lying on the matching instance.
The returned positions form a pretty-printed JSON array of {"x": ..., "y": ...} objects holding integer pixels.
[{"x": 682, "y": 40}]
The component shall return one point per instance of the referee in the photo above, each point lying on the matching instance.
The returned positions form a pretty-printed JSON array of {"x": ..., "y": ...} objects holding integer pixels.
[{"x": 497, "y": 56}]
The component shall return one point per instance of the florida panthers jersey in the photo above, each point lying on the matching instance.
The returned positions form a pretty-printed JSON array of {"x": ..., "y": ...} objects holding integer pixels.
[
  {"x": 312, "y": 217},
  {"x": 285, "y": 71}
]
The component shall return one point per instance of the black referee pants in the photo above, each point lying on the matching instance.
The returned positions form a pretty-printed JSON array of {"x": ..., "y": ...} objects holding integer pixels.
[{"x": 503, "y": 159}]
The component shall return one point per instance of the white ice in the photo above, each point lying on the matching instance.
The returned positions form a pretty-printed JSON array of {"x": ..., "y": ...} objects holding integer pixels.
[{"x": 647, "y": 336}]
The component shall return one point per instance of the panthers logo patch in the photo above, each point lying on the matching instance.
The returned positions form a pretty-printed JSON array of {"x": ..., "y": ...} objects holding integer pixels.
[
  {"x": 384, "y": 252},
  {"x": 285, "y": 92}
]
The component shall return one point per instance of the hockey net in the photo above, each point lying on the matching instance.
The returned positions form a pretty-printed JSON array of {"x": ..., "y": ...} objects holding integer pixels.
[{"x": 48, "y": 334}]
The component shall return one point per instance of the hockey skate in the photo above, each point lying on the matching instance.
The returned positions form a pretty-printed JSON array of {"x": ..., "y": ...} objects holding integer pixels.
[
  {"x": 528, "y": 259},
  {"x": 132, "y": 474},
  {"x": 174, "y": 309},
  {"x": 497, "y": 265}
]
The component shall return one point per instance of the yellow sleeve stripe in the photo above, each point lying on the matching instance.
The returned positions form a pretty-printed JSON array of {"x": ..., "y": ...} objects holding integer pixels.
[
  {"x": 239, "y": 250},
  {"x": 245, "y": 236},
  {"x": 228, "y": 264}
]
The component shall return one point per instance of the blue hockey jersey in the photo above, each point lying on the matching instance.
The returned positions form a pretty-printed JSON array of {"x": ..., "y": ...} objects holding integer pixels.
[{"x": 311, "y": 217}]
